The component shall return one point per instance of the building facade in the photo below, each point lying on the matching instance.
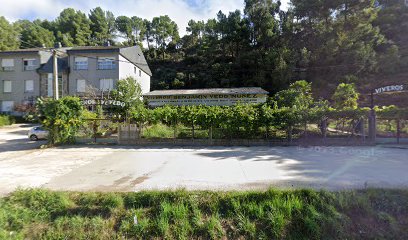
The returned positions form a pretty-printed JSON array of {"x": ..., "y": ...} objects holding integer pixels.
[{"x": 27, "y": 74}]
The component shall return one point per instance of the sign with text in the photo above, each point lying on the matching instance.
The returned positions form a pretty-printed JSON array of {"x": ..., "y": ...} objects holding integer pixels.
[
  {"x": 393, "y": 88},
  {"x": 209, "y": 100},
  {"x": 103, "y": 102}
]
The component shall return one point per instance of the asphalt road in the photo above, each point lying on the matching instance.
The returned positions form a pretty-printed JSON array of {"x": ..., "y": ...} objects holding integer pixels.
[{"x": 100, "y": 168}]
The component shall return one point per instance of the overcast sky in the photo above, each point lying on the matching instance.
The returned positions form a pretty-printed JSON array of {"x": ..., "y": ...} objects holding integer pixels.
[{"x": 180, "y": 11}]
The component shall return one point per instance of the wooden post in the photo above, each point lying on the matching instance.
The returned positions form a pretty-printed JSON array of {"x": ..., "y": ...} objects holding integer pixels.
[
  {"x": 128, "y": 128},
  {"x": 398, "y": 130},
  {"x": 95, "y": 130},
  {"x": 211, "y": 135},
  {"x": 119, "y": 129}
]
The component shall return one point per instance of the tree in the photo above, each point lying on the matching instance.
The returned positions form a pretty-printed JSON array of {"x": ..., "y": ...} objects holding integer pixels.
[
  {"x": 164, "y": 31},
  {"x": 294, "y": 105},
  {"x": 62, "y": 118},
  {"x": 124, "y": 26},
  {"x": 128, "y": 90},
  {"x": 73, "y": 28},
  {"x": 32, "y": 34},
  {"x": 138, "y": 29},
  {"x": 9, "y": 35},
  {"x": 133, "y": 28},
  {"x": 299, "y": 95},
  {"x": 102, "y": 26},
  {"x": 345, "y": 97}
]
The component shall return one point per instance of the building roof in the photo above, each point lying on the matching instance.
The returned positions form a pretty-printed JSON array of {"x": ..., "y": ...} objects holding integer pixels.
[
  {"x": 48, "y": 67},
  {"x": 133, "y": 54},
  {"x": 26, "y": 50},
  {"x": 209, "y": 91}
]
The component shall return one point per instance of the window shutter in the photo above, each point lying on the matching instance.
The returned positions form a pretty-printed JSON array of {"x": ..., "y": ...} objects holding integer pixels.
[
  {"x": 7, "y": 86},
  {"x": 7, "y": 106},
  {"x": 29, "y": 85},
  {"x": 7, "y": 62},
  {"x": 81, "y": 59},
  {"x": 81, "y": 85}
]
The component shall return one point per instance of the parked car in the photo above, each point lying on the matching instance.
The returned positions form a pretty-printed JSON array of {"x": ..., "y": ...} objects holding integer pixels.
[{"x": 37, "y": 133}]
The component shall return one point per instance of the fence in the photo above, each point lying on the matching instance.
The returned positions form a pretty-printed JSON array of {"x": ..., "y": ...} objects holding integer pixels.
[
  {"x": 103, "y": 131},
  {"x": 392, "y": 131}
]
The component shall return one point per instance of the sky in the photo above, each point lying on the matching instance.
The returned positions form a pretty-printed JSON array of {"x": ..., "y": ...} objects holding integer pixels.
[{"x": 181, "y": 11}]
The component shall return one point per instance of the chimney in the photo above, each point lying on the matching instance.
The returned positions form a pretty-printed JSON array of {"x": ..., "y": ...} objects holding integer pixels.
[{"x": 57, "y": 45}]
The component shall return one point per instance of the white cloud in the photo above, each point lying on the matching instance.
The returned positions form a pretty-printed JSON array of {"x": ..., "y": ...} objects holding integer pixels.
[{"x": 178, "y": 10}]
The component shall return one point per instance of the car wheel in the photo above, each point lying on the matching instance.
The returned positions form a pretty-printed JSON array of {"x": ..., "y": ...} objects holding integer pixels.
[{"x": 33, "y": 138}]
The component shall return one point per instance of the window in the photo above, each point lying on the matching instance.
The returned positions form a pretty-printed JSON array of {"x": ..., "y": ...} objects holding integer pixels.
[
  {"x": 29, "y": 85},
  {"x": 106, "y": 63},
  {"x": 106, "y": 84},
  {"x": 49, "y": 85},
  {"x": 29, "y": 64},
  {"x": 81, "y": 63},
  {"x": 140, "y": 73},
  {"x": 7, "y": 106},
  {"x": 81, "y": 85},
  {"x": 7, "y": 86},
  {"x": 7, "y": 65},
  {"x": 135, "y": 69}
]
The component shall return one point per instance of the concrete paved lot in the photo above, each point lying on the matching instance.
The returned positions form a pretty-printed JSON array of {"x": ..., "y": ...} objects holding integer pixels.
[{"x": 87, "y": 168}]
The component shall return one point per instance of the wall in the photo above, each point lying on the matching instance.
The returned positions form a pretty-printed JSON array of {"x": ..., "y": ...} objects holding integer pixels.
[
  {"x": 18, "y": 76},
  {"x": 127, "y": 69},
  {"x": 92, "y": 75}
]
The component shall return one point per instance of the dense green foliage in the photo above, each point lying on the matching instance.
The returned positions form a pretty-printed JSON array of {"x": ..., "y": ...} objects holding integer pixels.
[
  {"x": 294, "y": 107},
  {"x": 62, "y": 118},
  {"x": 325, "y": 42},
  {"x": 345, "y": 96},
  {"x": 274, "y": 214},
  {"x": 6, "y": 120},
  {"x": 9, "y": 35},
  {"x": 127, "y": 90}
]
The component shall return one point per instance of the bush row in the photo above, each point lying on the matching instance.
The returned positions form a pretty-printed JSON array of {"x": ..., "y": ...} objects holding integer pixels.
[{"x": 243, "y": 117}]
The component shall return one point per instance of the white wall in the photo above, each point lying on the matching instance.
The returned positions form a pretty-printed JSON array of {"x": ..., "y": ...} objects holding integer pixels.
[{"x": 127, "y": 69}]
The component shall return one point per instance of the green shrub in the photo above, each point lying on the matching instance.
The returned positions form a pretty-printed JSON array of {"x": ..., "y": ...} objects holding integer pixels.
[
  {"x": 62, "y": 118},
  {"x": 111, "y": 201},
  {"x": 6, "y": 120},
  {"x": 158, "y": 131}
]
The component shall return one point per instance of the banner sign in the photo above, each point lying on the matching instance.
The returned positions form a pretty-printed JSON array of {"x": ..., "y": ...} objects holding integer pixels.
[
  {"x": 103, "y": 102},
  {"x": 393, "y": 88},
  {"x": 209, "y": 100}
]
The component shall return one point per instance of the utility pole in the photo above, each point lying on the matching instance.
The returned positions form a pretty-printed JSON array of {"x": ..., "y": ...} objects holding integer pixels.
[{"x": 55, "y": 74}]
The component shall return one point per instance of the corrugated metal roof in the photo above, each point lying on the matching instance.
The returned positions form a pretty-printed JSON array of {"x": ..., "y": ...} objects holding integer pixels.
[{"x": 209, "y": 91}]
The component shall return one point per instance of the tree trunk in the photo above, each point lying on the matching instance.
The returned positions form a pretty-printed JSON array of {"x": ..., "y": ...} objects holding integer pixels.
[
  {"x": 211, "y": 133},
  {"x": 175, "y": 130},
  {"x": 192, "y": 125},
  {"x": 289, "y": 132}
]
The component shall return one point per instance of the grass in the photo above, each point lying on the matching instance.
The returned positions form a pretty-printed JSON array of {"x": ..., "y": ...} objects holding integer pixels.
[
  {"x": 6, "y": 120},
  {"x": 273, "y": 214}
]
